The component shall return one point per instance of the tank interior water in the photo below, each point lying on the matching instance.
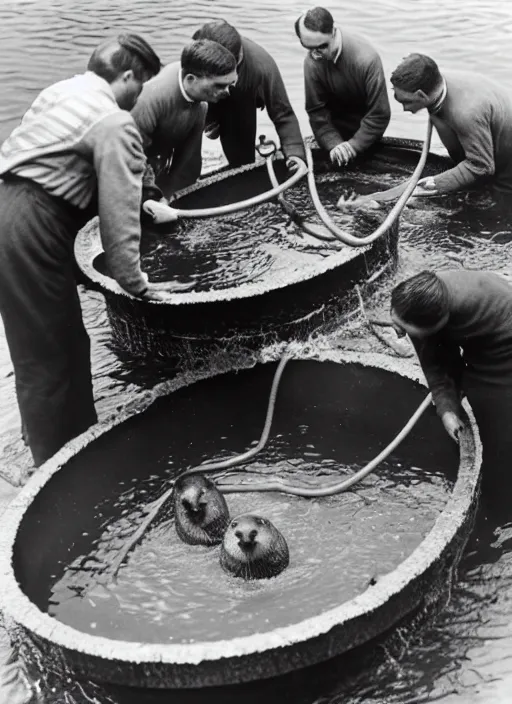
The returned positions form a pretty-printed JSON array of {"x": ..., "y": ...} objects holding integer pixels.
[{"x": 329, "y": 420}]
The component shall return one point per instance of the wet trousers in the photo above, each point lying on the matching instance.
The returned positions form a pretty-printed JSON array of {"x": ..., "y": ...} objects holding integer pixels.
[
  {"x": 40, "y": 308},
  {"x": 492, "y": 406}
]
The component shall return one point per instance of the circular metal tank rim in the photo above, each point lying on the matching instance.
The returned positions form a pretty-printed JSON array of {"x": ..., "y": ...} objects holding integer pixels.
[
  {"x": 16, "y": 605},
  {"x": 88, "y": 246}
]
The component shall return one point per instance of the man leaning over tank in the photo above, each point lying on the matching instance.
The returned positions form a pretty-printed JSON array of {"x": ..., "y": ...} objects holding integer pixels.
[
  {"x": 76, "y": 151},
  {"x": 460, "y": 323},
  {"x": 346, "y": 95},
  {"x": 259, "y": 85},
  {"x": 473, "y": 117},
  {"x": 171, "y": 112}
]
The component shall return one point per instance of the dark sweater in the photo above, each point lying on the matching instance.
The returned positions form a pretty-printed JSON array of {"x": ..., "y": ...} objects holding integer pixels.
[
  {"x": 475, "y": 343},
  {"x": 260, "y": 81},
  {"x": 347, "y": 100},
  {"x": 171, "y": 129},
  {"x": 475, "y": 125}
]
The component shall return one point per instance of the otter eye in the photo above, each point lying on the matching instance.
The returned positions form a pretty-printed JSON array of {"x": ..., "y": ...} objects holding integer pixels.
[
  {"x": 234, "y": 524},
  {"x": 260, "y": 521}
]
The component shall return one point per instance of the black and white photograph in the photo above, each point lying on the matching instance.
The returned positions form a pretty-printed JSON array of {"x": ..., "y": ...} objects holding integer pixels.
[{"x": 255, "y": 352}]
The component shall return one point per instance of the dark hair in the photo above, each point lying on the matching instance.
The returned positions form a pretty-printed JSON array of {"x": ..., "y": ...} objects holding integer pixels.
[
  {"x": 421, "y": 300},
  {"x": 126, "y": 52},
  {"x": 316, "y": 20},
  {"x": 417, "y": 72},
  {"x": 223, "y": 33},
  {"x": 205, "y": 59}
]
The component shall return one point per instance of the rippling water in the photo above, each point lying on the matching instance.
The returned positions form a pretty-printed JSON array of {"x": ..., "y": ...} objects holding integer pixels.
[
  {"x": 260, "y": 246},
  {"x": 172, "y": 592},
  {"x": 467, "y": 655}
]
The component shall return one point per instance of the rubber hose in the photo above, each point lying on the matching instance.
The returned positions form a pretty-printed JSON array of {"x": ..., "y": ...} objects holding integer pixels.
[
  {"x": 393, "y": 213},
  {"x": 243, "y": 204}
]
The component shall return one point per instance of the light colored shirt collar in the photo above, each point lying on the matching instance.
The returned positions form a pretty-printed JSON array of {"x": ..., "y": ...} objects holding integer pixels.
[
  {"x": 182, "y": 87},
  {"x": 339, "y": 43},
  {"x": 435, "y": 107}
]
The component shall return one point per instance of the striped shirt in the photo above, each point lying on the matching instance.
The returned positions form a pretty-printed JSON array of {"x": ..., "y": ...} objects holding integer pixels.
[{"x": 75, "y": 142}]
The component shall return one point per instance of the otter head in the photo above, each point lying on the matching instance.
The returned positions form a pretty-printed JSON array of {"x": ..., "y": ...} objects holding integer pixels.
[
  {"x": 253, "y": 548},
  {"x": 201, "y": 514},
  {"x": 194, "y": 502}
]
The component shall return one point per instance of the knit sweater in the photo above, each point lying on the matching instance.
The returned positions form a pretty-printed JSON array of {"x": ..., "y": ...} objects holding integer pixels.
[
  {"x": 476, "y": 342},
  {"x": 259, "y": 76},
  {"x": 75, "y": 141},
  {"x": 172, "y": 130},
  {"x": 347, "y": 100},
  {"x": 475, "y": 125}
]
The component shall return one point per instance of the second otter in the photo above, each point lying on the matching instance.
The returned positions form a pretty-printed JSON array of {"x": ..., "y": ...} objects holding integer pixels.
[
  {"x": 253, "y": 548},
  {"x": 201, "y": 514}
]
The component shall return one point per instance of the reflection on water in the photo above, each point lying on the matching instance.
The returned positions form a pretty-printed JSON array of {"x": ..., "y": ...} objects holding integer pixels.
[{"x": 467, "y": 655}]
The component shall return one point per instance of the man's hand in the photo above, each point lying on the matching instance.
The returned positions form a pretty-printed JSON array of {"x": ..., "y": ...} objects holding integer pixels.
[
  {"x": 342, "y": 153},
  {"x": 160, "y": 211},
  {"x": 452, "y": 424},
  {"x": 293, "y": 163},
  {"x": 425, "y": 187},
  {"x": 162, "y": 291},
  {"x": 349, "y": 202},
  {"x": 212, "y": 130}
]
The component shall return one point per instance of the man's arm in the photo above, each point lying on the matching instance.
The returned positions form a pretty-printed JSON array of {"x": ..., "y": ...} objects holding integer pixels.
[
  {"x": 316, "y": 106},
  {"x": 119, "y": 162},
  {"x": 442, "y": 366},
  {"x": 475, "y": 136},
  {"x": 186, "y": 161},
  {"x": 281, "y": 112},
  {"x": 146, "y": 113},
  {"x": 374, "y": 123}
]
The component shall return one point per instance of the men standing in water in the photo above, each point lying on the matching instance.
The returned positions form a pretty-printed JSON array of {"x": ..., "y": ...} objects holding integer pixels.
[
  {"x": 473, "y": 117},
  {"x": 76, "y": 152},
  {"x": 259, "y": 85},
  {"x": 346, "y": 95},
  {"x": 171, "y": 111},
  {"x": 460, "y": 323}
]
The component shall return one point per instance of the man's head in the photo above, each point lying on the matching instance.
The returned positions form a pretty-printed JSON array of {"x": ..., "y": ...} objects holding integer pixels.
[
  {"x": 208, "y": 69},
  {"x": 224, "y": 34},
  {"x": 419, "y": 305},
  {"x": 317, "y": 33},
  {"x": 126, "y": 63},
  {"x": 417, "y": 82}
]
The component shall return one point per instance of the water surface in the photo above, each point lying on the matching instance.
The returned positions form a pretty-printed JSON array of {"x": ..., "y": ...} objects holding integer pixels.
[{"x": 170, "y": 592}]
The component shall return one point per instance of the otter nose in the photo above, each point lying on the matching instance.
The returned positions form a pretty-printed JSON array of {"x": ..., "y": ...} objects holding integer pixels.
[
  {"x": 189, "y": 506},
  {"x": 246, "y": 537}
]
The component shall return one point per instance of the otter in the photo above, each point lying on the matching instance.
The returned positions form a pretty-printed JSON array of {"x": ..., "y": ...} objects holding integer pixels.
[
  {"x": 253, "y": 548},
  {"x": 201, "y": 514}
]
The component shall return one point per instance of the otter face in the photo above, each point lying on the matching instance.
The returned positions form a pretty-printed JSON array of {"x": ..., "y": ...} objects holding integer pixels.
[
  {"x": 253, "y": 548},
  {"x": 194, "y": 502},
  {"x": 200, "y": 511},
  {"x": 251, "y": 534}
]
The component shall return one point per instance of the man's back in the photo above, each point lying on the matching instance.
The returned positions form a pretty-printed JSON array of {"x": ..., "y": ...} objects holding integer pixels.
[
  {"x": 475, "y": 124},
  {"x": 480, "y": 322},
  {"x": 53, "y": 144}
]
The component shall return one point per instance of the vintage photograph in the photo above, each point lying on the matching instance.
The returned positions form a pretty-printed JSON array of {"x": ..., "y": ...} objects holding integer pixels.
[{"x": 255, "y": 352}]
